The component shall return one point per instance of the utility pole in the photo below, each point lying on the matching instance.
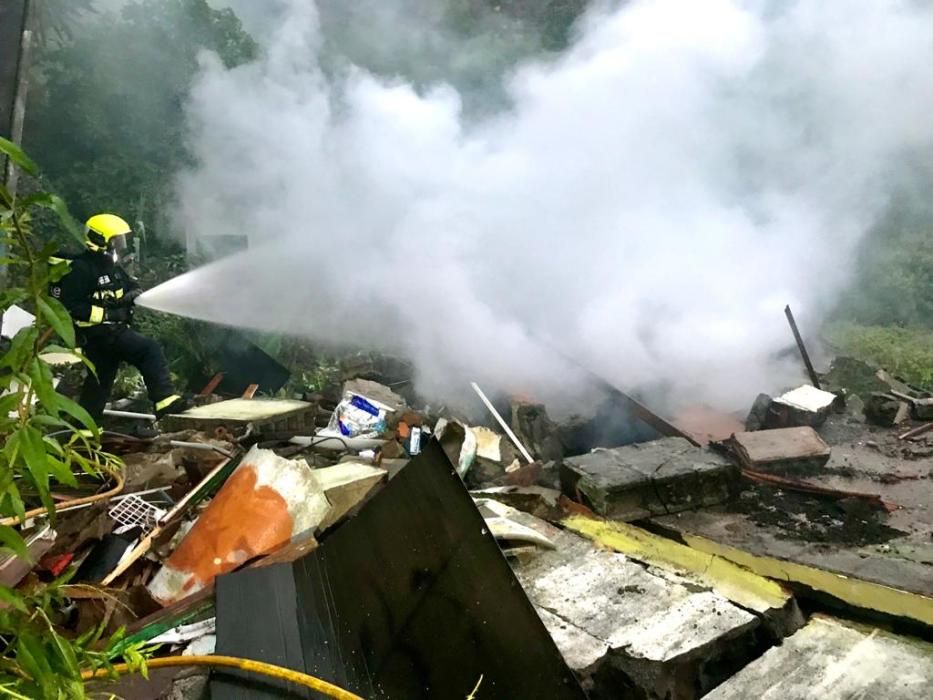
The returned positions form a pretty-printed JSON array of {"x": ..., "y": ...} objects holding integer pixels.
[{"x": 16, "y": 37}]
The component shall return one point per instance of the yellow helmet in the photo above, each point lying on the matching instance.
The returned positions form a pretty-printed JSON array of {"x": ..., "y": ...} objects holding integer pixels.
[{"x": 102, "y": 229}]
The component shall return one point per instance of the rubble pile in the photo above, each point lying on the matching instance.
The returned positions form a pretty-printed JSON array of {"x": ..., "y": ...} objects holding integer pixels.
[{"x": 640, "y": 550}]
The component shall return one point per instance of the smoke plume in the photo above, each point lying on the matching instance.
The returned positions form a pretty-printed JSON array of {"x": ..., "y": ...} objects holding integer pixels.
[{"x": 646, "y": 204}]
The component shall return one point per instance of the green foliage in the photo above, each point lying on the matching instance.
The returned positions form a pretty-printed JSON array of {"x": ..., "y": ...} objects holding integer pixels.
[
  {"x": 39, "y": 448},
  {"x": 905, "y": 352},
  {"x": 893, "y": 281},
  {"x": 120, "y": 83}
]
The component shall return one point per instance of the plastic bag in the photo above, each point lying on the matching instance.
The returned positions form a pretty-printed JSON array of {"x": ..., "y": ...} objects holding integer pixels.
[{"x": 358, "y": 416}]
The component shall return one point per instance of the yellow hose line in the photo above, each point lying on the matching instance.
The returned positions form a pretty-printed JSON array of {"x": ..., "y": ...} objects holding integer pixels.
[{"x": 285, "y": 674}]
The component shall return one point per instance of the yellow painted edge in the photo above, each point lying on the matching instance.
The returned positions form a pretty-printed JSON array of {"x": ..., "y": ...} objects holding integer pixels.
[
  {"x": 732, "y": 581},
  {"x": 854, "y": 591}
]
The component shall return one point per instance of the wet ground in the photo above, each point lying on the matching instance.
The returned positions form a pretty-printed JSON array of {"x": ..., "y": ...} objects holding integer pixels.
[
  {"x": 798, "y": 516},
  {"x": 847, "y": 536}
]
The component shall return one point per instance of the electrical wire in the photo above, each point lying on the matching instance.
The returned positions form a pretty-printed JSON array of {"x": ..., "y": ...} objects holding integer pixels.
[{"x": 260, "y": 667}]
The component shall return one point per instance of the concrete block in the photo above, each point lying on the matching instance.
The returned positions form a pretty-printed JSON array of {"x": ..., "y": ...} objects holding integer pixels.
[
  {"x": 923, "y": 409},
  {"x": 665, "y": 633},
  {"x": 650, "y": 478},
  {"x": 781, "y": 451},
  {"x": 805, "y": 405},
  {"x": 834, "y": 660}
]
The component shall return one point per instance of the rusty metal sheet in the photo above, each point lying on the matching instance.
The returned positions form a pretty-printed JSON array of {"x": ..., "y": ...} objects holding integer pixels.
[{"x": 707, "y": 424}]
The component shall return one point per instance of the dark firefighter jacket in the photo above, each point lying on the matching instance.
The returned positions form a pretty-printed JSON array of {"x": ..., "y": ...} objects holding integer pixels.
[{"x": 93, "y": 284}]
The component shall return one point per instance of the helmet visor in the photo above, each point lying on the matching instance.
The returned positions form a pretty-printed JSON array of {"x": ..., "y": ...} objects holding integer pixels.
[{"x": 120, "y": 246}]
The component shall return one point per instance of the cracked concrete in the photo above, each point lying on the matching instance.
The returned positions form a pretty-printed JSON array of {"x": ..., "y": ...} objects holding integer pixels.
[
  {"x": 834, "y": 660},
  {"x": 652, "y": 478},
  {"x": 661, "y": 630}
]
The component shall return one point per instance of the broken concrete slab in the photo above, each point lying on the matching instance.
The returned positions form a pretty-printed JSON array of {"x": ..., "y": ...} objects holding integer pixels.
[
  {"x": 650, "y": 478},
  {"x": 536, "y": 430},
  {"x": 886, "y": 410},
  {"x": 832, "y": 660},
  {"x": 923, "y": 409},
  {"x": 273, "y": 415},
  {"x": 772, "y": 602},
  {"x": 872, "y": 578},
  {"x": 781, "y": 451},
  {"x": 495, "y": 458},
  {"x": 665, "y": 636},
  {"x": 346, "y": 485}
]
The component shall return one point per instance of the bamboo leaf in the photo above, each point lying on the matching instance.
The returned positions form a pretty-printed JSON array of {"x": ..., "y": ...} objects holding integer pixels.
[
  {"x": 11, "y": 296},
  {"x": 8, "y": 403},
  {"x": 49, "y": 421},
  {"x": 21, "y": 348},
  {"x": 31, "y": 655},
  {"x": 58, "y": 317},
  {"x": 33, "y": 451},
  {"x": 66, "y": 654},
  {"x": 75, "y": 410},
  {"x": 40, "y": 377},
  {"x": 61, "y": 471},
  {"x": 18, "y": 156},
  {"x": 12, "y": 598},
  {"x": 11, "y": 539}
]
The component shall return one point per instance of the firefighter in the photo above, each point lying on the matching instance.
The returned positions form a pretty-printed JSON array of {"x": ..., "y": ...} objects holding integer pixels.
[{"x": 99, "y": 295}]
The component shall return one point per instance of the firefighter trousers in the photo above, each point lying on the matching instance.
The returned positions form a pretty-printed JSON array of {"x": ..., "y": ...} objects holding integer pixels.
[{"x": 107, "y": 347}]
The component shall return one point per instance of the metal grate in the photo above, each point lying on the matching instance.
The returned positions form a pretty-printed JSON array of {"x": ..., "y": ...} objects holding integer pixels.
[{"x": 134, "y": 511}]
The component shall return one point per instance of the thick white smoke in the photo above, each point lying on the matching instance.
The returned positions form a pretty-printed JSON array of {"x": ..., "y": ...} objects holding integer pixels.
[{"x": 648, "y": 205}]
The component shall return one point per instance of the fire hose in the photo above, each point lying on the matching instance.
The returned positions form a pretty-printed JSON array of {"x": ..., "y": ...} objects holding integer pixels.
[{"x": 260, "y": 667}]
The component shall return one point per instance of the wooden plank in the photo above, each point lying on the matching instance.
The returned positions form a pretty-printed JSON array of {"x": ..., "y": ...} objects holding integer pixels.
[{"x": 212, "y": 385}]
